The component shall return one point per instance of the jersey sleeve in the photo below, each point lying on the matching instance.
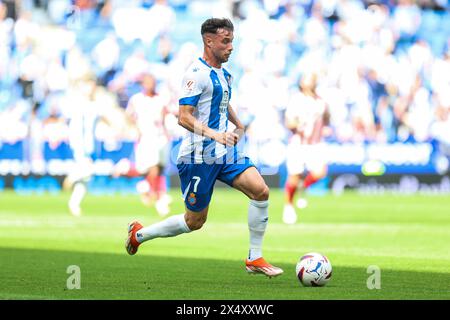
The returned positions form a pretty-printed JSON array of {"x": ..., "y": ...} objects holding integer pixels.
[{"x": 192, "y": 88}]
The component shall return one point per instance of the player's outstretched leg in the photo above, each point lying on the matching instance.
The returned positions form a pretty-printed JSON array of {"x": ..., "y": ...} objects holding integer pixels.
[
  {"x": 252, "y": 184},
  {"x": 170, "y": 227},
  {"x": 131, "y": 244}
]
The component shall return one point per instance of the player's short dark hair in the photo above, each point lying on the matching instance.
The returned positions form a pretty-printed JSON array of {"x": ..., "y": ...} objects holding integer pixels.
[{"x": 213, "y": 24}]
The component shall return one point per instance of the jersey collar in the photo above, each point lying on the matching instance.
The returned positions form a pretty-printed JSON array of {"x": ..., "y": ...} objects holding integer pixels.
[{"x": 206, "y": 64}]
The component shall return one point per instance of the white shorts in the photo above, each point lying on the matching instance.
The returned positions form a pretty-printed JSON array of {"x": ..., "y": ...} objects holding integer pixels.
[
  {"x": 81, "y": 170},
  {"x": 149, "y": 152},
  {"x": 304, "y": 157}
]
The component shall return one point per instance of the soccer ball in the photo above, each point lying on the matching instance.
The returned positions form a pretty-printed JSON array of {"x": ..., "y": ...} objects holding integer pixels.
[{"x": 313, "y": 270}]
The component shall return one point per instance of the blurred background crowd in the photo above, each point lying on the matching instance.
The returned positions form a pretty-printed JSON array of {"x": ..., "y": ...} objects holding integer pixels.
[{"x": 382, "y": 67}]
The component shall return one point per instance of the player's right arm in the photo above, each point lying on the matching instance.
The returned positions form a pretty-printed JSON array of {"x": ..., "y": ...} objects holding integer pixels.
[
  {"x": 187, "y": 120},
  {"x": 194, "y": 84}
]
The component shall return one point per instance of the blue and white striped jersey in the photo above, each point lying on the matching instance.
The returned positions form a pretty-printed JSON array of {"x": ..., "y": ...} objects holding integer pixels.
[{"x": 208, "y": 89}]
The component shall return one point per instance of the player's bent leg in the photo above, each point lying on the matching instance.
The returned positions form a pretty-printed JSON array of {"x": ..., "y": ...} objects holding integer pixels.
[
  {"x": 258, "y": 217},
  {"x": 195, "y": 220},
  {"x": 251, "y": 183}
]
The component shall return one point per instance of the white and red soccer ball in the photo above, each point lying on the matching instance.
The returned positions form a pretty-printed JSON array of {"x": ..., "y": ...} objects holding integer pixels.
[{"x": 313, "y": 270}]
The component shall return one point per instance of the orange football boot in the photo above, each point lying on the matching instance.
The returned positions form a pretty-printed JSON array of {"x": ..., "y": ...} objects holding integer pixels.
[
  {"x": 263, "y": 267},
  {"x": 131, "y": 245}
]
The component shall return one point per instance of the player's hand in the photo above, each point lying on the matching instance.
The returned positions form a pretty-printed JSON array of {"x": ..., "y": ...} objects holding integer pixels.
[
  {"x": 240, "y": 133},
  {"x": 227, "y": 138}
]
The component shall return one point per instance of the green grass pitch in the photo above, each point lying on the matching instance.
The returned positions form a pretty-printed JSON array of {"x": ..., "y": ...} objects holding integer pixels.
[{"x": 407, "y": 237}]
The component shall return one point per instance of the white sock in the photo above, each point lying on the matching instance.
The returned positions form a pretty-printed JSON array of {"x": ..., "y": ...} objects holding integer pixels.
[
  {"x": 169, "y": 227},
  {"x": 78, "y": 194},
  {"x": 258, "y": 216}
]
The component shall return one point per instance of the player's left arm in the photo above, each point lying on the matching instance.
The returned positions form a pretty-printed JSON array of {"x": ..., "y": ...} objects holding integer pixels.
[{"x": 233, "y": 118}]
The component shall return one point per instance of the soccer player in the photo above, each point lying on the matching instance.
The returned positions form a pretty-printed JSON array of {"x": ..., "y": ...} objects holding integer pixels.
[
  {"x": 306, "y": 116},
  {"x": 146, "y": 110},
  {"x": 208, "y": 152},
  {"x": 84, "y": 115}
]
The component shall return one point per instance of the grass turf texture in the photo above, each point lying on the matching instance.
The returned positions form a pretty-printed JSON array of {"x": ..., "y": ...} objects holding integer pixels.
[{"x": 407, "y": 237}]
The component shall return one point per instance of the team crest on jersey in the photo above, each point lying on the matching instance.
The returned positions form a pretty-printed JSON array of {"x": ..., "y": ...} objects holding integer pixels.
[
  {"x": 229, "y": 80},
  {"x": 190, "y": 84},
  {"x": 192, "y": 199}
]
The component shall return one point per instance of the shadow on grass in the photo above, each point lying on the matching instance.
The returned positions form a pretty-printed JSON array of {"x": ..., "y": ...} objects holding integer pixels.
[{"x": 42, "y": 274}]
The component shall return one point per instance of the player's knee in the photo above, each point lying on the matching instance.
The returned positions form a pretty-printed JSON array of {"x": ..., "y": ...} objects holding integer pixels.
[
  {"x": 320, "y": 173},
  {"x": 195, "y": 222},
  {"x": 293, "y": 179},
  {"x": 261, "y": 194}
]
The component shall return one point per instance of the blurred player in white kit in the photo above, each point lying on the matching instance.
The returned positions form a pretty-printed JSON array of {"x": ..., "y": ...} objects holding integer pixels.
[
  {"x": 147, "y": 110},
  {"x": 306, "y": 116},
  {"x": 83, "y": 119}
]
